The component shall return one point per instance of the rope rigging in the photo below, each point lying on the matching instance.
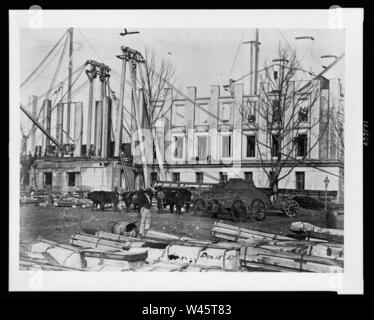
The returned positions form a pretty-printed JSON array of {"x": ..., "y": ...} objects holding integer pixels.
[
  {"x": 81, "y": 69},
  {"x": 57, "y": 85},
  {"x": 43, "y": 61},
  {"x": 58, "y": 67},
  {"x": 237, "y": 52}
]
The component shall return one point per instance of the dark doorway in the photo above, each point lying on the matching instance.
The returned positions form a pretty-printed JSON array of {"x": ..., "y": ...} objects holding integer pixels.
[
  {"x": 48, "y": 178},
  {"x": 71, "y": 179}
]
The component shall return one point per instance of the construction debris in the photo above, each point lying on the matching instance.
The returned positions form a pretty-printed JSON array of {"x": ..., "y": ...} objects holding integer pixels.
[
  {"x": 41, "y": 198},
  {"x": 157, "y": 251},
  {"x": 61, "y": 255},
  {"x": 257, "y": 257},
  {"x": 311, "y": 231},
  {"x": 229, "y": 232},
  {"x": 272, "y": 252}
]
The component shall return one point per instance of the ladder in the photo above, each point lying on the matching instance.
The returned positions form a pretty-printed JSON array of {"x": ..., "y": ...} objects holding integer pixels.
[{"x": 124, "y": 171}]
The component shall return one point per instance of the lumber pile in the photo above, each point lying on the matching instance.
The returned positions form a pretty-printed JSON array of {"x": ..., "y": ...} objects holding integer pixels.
[
  {"x": 264, "y": 251},
  {"x": 229, "y": 232},
  {"x": 48, "y": 255},
  {"x": 167, "y": 238},
  {"x": 311, "y": 231},
  {"x": 127, "y": 239},
  {"x": 202, "y": 254},
  {"x": 207, "y": 257},
  {"x": 94, "y": 242},
  {"x": 232, "y": 249},
  {"x": 40, "y": 198},
  {"x": 273, "y": 260}
]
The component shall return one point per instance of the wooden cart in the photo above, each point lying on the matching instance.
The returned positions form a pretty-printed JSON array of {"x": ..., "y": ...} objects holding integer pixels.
[{"x": 237, "y": 197}]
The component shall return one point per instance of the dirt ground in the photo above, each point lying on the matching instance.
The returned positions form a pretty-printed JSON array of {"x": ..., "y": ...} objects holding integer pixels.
[{"x": 58, "y": 224}]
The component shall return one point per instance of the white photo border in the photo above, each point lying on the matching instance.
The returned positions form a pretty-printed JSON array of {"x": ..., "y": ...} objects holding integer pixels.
[{"x": 349, "y": 282}]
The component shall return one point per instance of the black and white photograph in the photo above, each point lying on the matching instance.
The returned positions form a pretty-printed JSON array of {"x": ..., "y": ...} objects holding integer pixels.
[{"x": 219, "y": 150}]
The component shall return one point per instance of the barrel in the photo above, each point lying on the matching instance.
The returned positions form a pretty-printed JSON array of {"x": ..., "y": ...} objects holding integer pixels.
[{"x": 335, "y": 219}]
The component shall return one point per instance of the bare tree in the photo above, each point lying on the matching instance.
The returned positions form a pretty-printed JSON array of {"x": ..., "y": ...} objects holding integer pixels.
[
  {"x": 288, "y": 123},
  {"x": 158, "y": 75}
]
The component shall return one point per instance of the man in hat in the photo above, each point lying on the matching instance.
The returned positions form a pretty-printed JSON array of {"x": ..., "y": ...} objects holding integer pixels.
[{"x": 160, "y": 195}]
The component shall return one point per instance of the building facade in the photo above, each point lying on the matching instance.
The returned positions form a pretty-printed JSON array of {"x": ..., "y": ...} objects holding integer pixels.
[{"x": 206, "y": 139}]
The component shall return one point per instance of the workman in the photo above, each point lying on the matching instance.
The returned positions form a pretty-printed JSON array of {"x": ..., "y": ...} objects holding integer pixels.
[{"x": 160, "y": 195}]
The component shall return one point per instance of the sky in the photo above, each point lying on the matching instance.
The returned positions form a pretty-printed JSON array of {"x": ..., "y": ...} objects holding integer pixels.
[{"x": 200, "y": 57}]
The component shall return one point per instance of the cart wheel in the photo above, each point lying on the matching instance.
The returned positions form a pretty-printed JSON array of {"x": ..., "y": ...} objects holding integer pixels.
[
  {"x": 200, "y": 205},
  {"x": 239, "y": 210},
  {"x": 291, "y": 207},
  {"x": 258, "y": 209}
]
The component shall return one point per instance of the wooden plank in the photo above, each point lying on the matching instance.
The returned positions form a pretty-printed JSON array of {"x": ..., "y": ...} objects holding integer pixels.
[
  {"x": 95, "y": 242},
  {"x": 299, "y": 226},
  {"x": 245, "y": 231},
  {"x": 290, "y": 260},
  {"x": 134, "y": 242},
  {"x": 289, "y": 255},
  {"x": 32, "y": 264},
  {"x": 123, "y": 256},
  {"x": 260, "y": 267},
  {"x": 327, "y": 237},
  {"x": 220, "y": 228}
]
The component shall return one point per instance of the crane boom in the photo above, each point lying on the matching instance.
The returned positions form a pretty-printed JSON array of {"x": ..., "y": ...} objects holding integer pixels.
[{"x": 32, "y": 118}]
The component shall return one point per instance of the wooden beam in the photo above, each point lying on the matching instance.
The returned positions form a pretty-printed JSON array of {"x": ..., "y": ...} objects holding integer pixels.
[{"x": 42, "y": 129}]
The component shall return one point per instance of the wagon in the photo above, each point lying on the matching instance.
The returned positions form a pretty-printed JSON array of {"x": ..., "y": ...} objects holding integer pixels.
[{"x": 237, "y": 197}]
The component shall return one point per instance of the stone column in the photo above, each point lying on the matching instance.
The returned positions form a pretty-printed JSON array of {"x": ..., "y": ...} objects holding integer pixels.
[
  {"x": 189, "y": 120},
  {"x": 106, "y": 135},
  {"x": 324, "y": 121},
  {"x": 213, "y": 122},
  {"x": 98, "y": 126},
  {"x": 333, "y": 118},
  {"x": 237, "y": 122},
  {"x": 91, "y": 76},
  {"x": 314, "y": 132},
  {"x": 59, "y": 122},
  {"x": 78, "y": 129},
  {"x": 168, "y": 97},
  {"x": 48, "y": 111},
  {"x": 119, "y": 122}
]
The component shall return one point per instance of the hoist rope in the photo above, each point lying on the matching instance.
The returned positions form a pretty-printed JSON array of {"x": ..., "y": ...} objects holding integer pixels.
[
  {"x": 43, "y": 61},
  {"x": 58, "y": 68}
]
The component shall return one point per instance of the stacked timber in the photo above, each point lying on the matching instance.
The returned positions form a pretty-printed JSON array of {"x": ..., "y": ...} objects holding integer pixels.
[
  {"x": 325, "y": 250},
  {"x": 170, "y": 249},
  {"x": 167, "y": 238},
  {"x": 65, "y": 256},
  {"x": 311, "y": 231},
  {"x": 274, "y": 260},
  {"x": 203, "y": 257},
  {"x": 164, "y": 247},
  {"x": 29, "y": 265},
  {"x": 229, "y": 232},
  {"x": 263, "y": 251},
  {"x": 129, "y": 240},
  {"x": 89, "y": 241}
]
